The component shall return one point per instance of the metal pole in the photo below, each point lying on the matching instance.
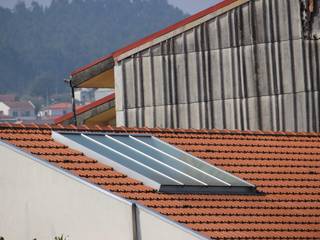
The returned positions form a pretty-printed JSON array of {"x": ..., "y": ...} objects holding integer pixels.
[{"x": 75, "y": 121}]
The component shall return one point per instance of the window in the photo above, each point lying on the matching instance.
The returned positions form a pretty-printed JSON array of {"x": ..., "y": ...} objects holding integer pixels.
[
  {"x": 15, "y": 114},
  {"x": 27, "y": 114},
  {"x": 156, "y": 163}
]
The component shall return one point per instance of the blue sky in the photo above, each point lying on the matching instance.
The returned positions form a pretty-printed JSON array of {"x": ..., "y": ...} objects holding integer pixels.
[{"x": 188, "y": 6}]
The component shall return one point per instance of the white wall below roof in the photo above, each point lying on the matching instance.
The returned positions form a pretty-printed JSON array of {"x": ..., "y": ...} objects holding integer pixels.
[
  {"x": 41, "y": 202},
  {"x": 4, "y": 108}
]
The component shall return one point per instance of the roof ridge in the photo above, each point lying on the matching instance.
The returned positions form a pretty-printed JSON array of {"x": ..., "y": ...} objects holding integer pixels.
[
  {"x": 123, "y": 129},
  {"x": 150, "y": 37}
]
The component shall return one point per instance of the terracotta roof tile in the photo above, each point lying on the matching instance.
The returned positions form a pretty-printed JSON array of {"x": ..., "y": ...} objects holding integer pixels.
[{"x": 284, "y": 166}]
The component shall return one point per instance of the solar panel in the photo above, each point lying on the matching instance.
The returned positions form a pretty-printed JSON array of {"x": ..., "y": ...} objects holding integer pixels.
[{"x": 155, "y": 163}]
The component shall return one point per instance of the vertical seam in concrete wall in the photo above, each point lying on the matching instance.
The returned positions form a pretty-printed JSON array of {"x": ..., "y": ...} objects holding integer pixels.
[
  {"x": 295, "y": 107},
  {"x": 242, "y": 73},
  {"x": 313, "y": 87},
  {"x": 204, "y": 77},
  {"x": 255, "y": 62},
  {"x": 152, "y": 81},
  {"x": 198, "y": 80},
  {"x": 282, "y": 125},
  {"x": 125, "y": 95},
  {"x": 175, "y": 83},
  {"x": 274, "y": 67},
  {"x": 233, "y": 80},
  {"x": 317, "y": 43},
  {"x": 221, "y": 76},
  {"x": 165, "y": 84},
  {"x": 186, "y": 65},
  {"x": 135, "y": 82},
  {"x": 210, "y": 79},
  {"x": 267, "y": 58},
  {"x": 141, "y": 91},
  {"x": 303, "y": 50},
  {"x": 206, "y": 74},
  {"x": 170, "y": 84}
]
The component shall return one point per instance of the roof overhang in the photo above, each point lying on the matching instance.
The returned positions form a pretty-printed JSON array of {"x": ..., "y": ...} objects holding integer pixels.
[
  {"x": 100, "y": 74},
  {"x": 98, "y": 112},
  {"x": 96, "y": 75}
]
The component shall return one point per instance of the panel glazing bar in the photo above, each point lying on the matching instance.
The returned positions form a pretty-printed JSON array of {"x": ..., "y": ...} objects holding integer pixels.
[
  {"x": 173, "y": 181},
  {"x": 187, "y": 179},
  {"x": 200, "y": 172}
]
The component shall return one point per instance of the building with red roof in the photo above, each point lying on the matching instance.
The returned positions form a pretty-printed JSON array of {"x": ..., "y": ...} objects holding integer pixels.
[
  {"x": 48, "y": 188},
  {"x": 18, "y": 110},
  {"x": 55, "y": 110},
  {"x": 237, "y": 65}
]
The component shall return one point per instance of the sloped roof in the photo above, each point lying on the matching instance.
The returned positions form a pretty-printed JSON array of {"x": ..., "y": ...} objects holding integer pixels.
[
  {"x": 62, "y": 105},
  {"x": 284, "y": 166},
  {"x": 19, "y": 104},
  {"x": 7, "y": 97},
  {"x": 150, "y": 38},
  {"x": 86, "y": 108}
]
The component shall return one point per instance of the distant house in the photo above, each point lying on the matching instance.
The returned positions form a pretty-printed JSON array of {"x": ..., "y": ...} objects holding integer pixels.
[
  {"x": 88, "y": 95},
  {"x": 18, "y": 110},
  {"x": 8, "y": 97},
  {"x": 84, "y": 96},
  {"x": 55, "y": 110}
]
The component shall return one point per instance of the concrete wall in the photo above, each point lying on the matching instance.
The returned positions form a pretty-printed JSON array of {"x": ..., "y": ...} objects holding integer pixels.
[
  {"x": 248, "y": 68},
  {"x": 39, "y": 201}
]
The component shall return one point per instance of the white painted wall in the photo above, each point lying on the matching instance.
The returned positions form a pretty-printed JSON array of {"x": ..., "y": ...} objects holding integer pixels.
[
  {"x": 4, "y": 109},
  {"x": 39, "y": 201}
]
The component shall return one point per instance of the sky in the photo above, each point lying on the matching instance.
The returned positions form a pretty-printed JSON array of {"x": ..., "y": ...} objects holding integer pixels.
[{"x": 188, "y": 6}]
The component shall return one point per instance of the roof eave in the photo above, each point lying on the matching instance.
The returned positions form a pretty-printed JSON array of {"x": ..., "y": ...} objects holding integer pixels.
[
  {"x": 85, "y": 73},
  {"x": 107, "y": 101},
  {"x": 81, "y": 76}
]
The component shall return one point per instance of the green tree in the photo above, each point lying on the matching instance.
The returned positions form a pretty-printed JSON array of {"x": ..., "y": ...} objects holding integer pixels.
[{"x": 40, "y": 46}]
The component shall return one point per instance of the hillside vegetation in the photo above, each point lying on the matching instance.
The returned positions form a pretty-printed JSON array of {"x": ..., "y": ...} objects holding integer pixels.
[{"x": 40, "y": 46}]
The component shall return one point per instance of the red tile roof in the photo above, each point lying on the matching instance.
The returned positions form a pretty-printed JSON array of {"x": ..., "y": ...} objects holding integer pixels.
[
  {"x": 7, "y": 97},
  {"x": 158, "y": 34},
  {"x": 62, "y": 105},
  {"x": 18, "y": 104},
  {"x": 85, "y": 108},
  {"x": 285, "y": 166}
]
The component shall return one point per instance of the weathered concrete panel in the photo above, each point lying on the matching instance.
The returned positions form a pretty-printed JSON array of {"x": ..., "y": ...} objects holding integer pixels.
[
  {"x": 193, "y": 76},
  {"x": 159, "y": 80},
  {"x": 229, "y": 114},
  {"x": 238, "y": 70},
  {"x": 289, "y": 111},
  {"x": 147, "y": 81},
  {"x": 129, "y": 80},
  {"x": 195, "y": 114}
]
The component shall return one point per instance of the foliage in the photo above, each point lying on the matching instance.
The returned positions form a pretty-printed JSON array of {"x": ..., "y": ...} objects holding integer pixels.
[
  {"x": 40, "y": 46},
  {"x": 60, "y": 238}
]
